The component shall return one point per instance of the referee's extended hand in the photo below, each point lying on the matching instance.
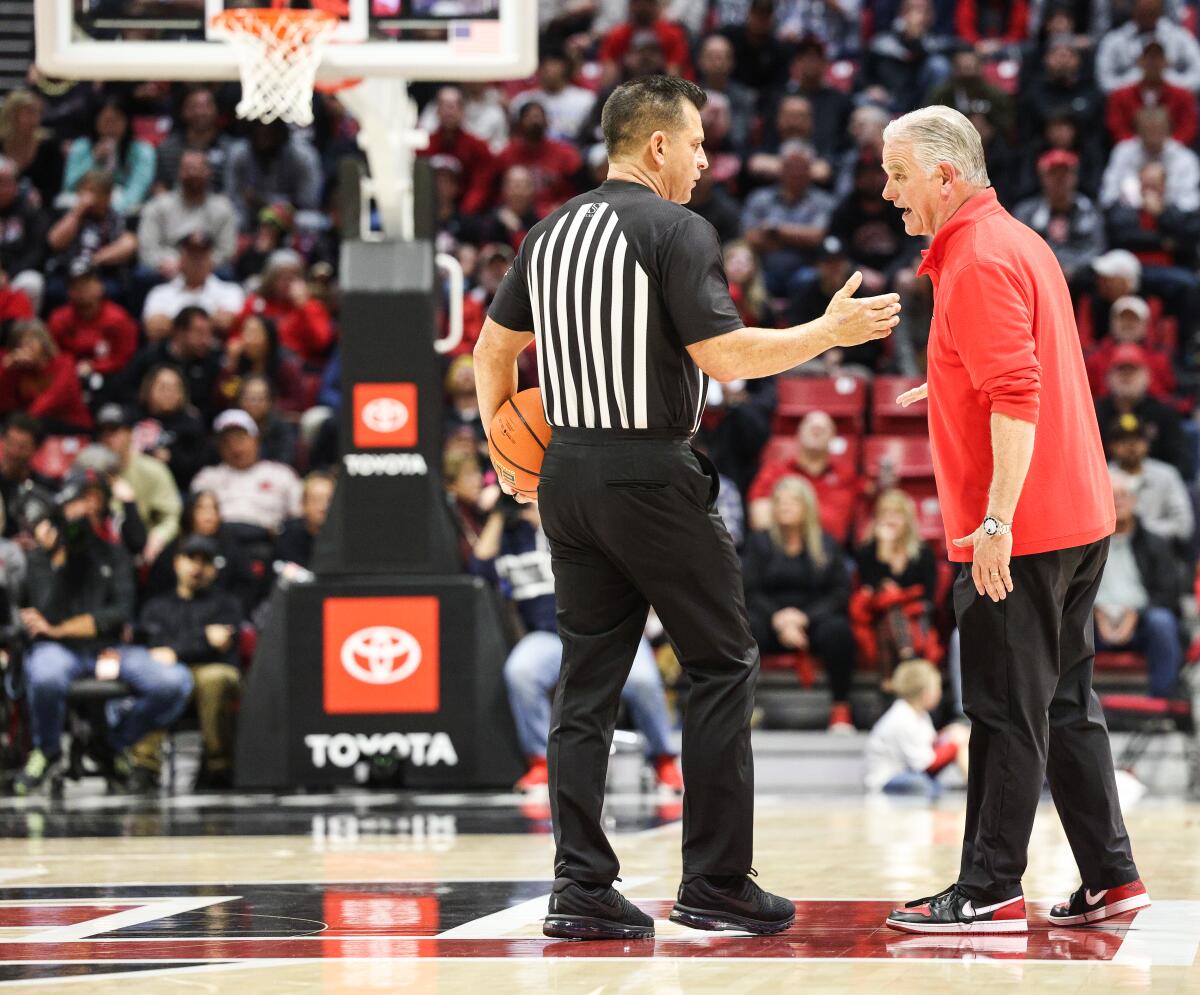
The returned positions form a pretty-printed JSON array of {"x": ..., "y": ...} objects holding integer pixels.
[{"x": 857, "y": 320}]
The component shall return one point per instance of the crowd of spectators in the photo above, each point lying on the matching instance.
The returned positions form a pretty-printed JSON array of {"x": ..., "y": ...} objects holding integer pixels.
[{"x": 168, "y": 293}]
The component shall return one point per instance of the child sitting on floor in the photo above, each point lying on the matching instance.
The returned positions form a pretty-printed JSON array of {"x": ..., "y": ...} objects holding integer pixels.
[{"x": 905, "y": 754}]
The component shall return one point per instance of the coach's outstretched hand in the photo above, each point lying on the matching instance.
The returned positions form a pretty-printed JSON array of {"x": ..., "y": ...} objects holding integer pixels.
[{"x": 858, "y": 320}]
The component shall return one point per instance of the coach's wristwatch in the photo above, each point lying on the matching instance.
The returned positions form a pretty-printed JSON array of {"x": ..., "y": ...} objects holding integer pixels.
[{"x": 994, "y": 527}]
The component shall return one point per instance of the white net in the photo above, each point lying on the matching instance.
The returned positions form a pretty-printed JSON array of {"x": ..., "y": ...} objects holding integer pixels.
[{"x": 278, "y": 53}]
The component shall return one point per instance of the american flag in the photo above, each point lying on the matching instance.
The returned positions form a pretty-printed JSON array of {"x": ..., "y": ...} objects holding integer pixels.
[{"x": 475, "y": 37}]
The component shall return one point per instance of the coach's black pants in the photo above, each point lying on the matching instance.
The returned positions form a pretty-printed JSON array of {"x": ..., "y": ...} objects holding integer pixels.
[
  {"x": 1027, "y": 688},
  {"x": 631, "y": 523}
]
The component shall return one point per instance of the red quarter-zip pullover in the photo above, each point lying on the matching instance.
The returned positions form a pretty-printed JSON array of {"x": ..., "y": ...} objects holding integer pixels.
[{"x": 1003, "y": 339}]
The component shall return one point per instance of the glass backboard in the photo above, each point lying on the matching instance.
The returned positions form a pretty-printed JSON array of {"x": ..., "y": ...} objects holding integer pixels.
[{"x": 173, "y": 39}]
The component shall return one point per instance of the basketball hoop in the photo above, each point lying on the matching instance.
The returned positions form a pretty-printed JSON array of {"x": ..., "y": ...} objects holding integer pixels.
[{"x": 278, "y": 51}]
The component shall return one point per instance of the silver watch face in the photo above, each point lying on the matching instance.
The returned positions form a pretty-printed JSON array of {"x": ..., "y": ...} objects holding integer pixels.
[{"x": 991, "y": 526}]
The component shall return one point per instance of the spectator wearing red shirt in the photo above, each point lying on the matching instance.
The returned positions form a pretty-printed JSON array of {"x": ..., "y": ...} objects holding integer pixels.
[
  {"x": 478, "y": 163},
  {"x": 1153, "y": 91},
  {"x": 39, "y": 380},
  {"x": 988, "y": 25},
  {"x": 1128, "y": 326},
  {"x": 644, "y": 16},
  {"x": 551, "y": 163},
  {"x": 303, "y": 322},
  {"x": 15, "y": 306},
  {"x": 838, "y": 492},
  {"x": 98, "y": 334}
]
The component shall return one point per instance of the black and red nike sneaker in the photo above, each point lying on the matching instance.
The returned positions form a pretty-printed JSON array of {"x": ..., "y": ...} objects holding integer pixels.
[
  {"x": 1087, "y": 907},
  {"x": 951, "y": 911}
]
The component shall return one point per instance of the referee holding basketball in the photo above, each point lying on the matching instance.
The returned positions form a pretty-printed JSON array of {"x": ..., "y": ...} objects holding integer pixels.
[{"x": 624, "y": 291}]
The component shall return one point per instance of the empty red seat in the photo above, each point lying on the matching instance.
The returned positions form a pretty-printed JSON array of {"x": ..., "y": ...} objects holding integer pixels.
[
  {"x": 888, "y": 417},
  {"x": 1116, "y": 661},
  {"x": 843, "y": 398},
  {"x": 800, "y": 663}
]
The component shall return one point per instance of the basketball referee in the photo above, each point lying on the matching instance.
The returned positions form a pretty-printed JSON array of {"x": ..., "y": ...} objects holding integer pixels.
[{"x": 624, "y": 291}]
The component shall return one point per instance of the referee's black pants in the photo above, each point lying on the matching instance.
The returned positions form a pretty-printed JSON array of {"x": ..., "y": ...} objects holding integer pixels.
[
  {"x": 631, "y": 523},
  {"x": 1027, "y": 687}
]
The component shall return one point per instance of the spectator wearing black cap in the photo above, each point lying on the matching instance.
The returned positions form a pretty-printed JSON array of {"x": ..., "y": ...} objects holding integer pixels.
[
  {"x": 35, "y": 377},
  {"x": 94, "y": 229},
  {"x": 79, "y": 596},
  {"x": 191, "y": 349},
  {"x": 154, "y": 488},
  {"x": 197, "y": 624},
  {"x": 1137, "y": 604},
  {"x": 256, "y": 493},
  {"x": 1129, "y": 393},
  {"x": 95, "y": 331},
  {"x": 191, "y": 206},
  {"x": 1152, "y": 90},
  {"x": 1067, "y": 219},
  {"x": 195, "y": 285},
  {"x": 1163, "y": 504},
  {"x": 451, "y": 138}
]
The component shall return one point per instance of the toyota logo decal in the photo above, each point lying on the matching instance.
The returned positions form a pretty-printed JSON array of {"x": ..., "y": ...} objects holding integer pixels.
[
  {"x": 381, "y": 654},
  {"x": 385, "y": 414}
]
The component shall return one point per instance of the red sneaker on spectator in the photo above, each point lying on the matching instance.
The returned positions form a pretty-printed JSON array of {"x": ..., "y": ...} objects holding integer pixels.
[
  {"x": 667, "y": 773},
  {"x": 841, "y": 721},
  {"x": 538, "y": 776}
]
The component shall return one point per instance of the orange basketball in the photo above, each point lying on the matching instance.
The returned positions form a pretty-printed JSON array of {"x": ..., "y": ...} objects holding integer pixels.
[{"x": 517, "y": 441}]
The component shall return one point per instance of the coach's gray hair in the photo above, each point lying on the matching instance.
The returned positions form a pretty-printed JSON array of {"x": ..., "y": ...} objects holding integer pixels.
[{"x": 942, "y": 134}]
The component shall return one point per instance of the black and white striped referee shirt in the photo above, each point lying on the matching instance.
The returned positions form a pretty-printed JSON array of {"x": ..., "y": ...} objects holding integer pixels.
[{"x": 614, "y": 285}]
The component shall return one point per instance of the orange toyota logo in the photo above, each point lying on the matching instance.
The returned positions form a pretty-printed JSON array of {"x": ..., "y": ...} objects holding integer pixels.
[{"x": 385, "y": 415}]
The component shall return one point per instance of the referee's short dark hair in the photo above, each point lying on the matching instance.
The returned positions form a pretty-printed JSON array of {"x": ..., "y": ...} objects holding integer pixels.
[{"x": 637, "y": 109}]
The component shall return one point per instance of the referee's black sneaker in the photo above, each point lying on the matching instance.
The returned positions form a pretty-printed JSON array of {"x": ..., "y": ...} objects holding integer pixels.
[
  {"x": 951, "y": 911},
  {"x": 1086, "y": 907},
  {"x": 594, "y": 912},
  {"x": 731, "y": 903}
]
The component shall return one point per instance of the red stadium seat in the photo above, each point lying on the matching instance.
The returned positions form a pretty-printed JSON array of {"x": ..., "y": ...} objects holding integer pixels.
[
  {"x": 55, "y": 456},
  {"x": 843, "y": 451},
  {"x": 843, "y": 398},
  {"x": 908, "y": 455},
  {"x": 888, "y": 417},
  {"x": 1118, "y": 662}
]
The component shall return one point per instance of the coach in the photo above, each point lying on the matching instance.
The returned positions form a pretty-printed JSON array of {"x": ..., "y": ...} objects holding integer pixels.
[
  {"x": 624, "y": 291},
  {"x": 1022, "y": 480}
]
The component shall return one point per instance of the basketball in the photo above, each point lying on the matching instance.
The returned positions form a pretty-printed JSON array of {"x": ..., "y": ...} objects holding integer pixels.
[{"x": 517, "y": 441}]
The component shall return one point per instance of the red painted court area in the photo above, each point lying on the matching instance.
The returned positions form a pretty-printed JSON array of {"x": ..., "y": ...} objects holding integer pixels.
[{"x": 386, "y": 927}]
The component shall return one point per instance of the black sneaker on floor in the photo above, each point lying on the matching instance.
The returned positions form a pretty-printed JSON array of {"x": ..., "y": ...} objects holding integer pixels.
[
  {"x": 734, "y": 903},
  {"x": 594, "y": 912},
  {"x": 951, "y": 911}
]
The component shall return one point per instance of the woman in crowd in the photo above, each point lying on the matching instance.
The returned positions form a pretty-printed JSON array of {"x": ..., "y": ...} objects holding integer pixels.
[
  {"x": 169, "y": 427},
  {"x": 303, "y": 321},
  {"x": 893, "y": 610},
  {"x": 257, "y": 351},
  {"x": 277, "y": 439},
  {"x": 746, "y": 286},
  {"x": 798, "y": 590},
  {"x": 41, "y": 381},
  {"x": 32, "y": 147},
  {"x": 112, "y": 148}
]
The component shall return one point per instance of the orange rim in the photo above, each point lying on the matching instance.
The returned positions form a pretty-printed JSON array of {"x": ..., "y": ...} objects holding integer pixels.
[{"x": 240, "y": 19}]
